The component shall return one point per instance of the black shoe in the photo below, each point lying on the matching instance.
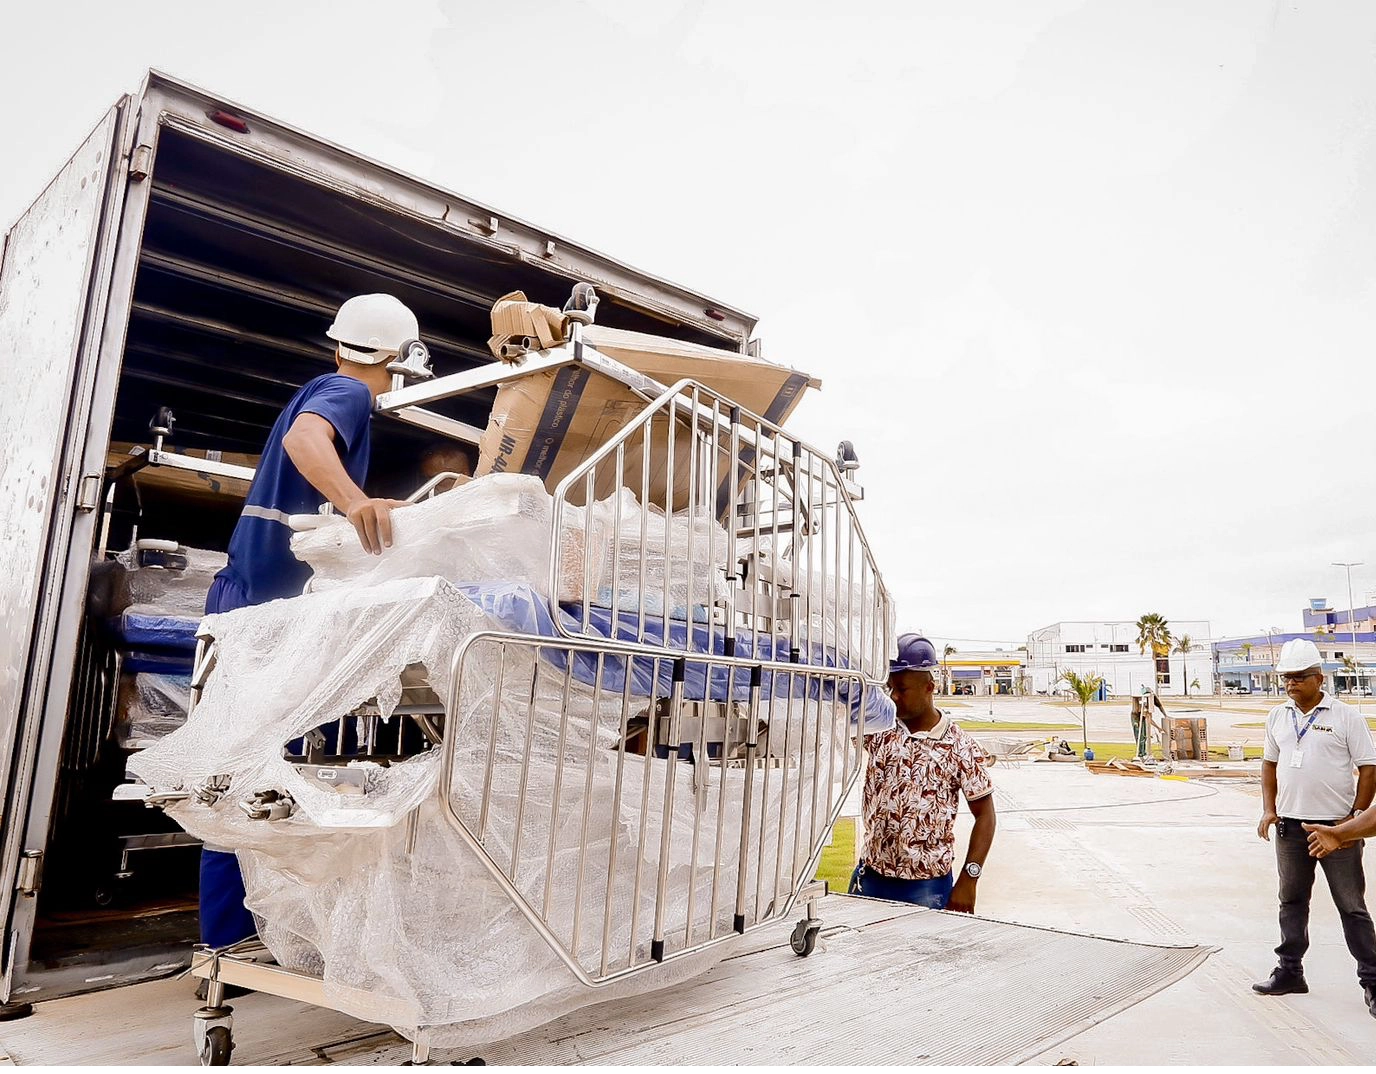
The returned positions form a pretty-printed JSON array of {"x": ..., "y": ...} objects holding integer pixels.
[
  {"x": 1283, "y": 982},
  {"x": 231, "y": 991},
  {"x": 1369, "y": 994}
]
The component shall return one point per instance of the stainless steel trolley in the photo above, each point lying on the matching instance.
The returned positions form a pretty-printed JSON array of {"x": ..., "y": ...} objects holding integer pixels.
[{"x": 737, "y": 632}]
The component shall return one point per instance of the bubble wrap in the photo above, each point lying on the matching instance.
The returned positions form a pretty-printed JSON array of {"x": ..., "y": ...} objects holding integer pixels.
[
  {"x": 162, "y": 591},
  {"x": 427, "y": 937},
  {"x": 495, "y": 527},
  {"x": 677, "y": 562}
]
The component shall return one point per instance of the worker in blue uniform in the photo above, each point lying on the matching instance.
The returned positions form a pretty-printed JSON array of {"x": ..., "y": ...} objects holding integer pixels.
[{"x": 317, "y": 452}]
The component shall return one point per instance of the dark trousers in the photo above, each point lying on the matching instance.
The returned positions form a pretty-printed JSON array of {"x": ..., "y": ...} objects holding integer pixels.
[{"x": 1346, "y": 882}]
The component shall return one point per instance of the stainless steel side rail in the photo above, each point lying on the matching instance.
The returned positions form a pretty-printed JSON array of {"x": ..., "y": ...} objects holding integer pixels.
[{"x": 756, "y": 889}]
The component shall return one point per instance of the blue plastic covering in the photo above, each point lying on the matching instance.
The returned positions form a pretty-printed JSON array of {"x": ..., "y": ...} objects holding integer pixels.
[
  {"x": 159, "y": 633},
  {"x": 159, "y": 663},
  {"x": 519, "y": 609}
]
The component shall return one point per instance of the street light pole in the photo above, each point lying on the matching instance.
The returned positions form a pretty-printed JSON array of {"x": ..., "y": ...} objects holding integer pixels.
[
  {"x": 1271, "y": 650},
  {"x": 1352, "y": 622}
]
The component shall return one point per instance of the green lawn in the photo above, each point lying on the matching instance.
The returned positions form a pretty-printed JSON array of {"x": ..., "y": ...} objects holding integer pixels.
[
  {"x": 838, "y": 860},
  {"x": 1015, "y": 725},
  {"x": 1126, "y": 751}
]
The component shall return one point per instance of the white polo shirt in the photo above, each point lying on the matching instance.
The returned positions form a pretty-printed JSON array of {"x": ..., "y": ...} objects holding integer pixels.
[{"x": 1337, "y": 742}]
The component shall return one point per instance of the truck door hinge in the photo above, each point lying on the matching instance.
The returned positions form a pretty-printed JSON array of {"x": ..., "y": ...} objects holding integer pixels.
[
  {"x": 140, "y": 162},
  {"x": 30, "y": 872},
  {"x": 88, "y": 492}
]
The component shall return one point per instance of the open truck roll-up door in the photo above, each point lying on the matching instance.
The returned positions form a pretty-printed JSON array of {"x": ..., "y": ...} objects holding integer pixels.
[{"x": 54, "y": 285}]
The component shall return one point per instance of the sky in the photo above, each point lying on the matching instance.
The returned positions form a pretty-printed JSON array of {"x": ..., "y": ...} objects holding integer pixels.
[{"x": 1090, "y": 286}]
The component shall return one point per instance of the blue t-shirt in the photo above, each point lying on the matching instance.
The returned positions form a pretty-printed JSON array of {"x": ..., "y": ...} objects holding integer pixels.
[{"x": 260, "y": 559}]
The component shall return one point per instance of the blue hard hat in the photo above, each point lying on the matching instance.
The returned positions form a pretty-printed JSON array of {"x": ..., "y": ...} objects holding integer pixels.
[{"x": 915, "y": 653}]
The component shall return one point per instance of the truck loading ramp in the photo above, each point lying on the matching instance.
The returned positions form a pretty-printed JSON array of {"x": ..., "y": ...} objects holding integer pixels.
[{"x": 964, "y": 990}]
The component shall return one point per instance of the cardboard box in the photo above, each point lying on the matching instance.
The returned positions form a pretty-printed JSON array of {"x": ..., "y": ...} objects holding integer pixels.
[{"x": 548, "y": 423}]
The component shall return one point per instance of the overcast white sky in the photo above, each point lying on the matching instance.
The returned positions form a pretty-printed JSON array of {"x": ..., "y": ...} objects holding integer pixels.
[{"x": 1091, "y": 286}]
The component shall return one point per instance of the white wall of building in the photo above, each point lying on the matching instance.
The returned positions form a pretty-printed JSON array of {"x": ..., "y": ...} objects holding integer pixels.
[{"x": 1110, "y": 649}]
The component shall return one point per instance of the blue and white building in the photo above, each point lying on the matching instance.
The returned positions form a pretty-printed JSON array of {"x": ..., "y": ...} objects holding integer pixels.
[{"x": 1346, "y": 642}]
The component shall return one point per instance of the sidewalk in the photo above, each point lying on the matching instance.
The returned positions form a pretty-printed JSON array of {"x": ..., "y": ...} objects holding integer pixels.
[{"x": 1183, "y": 865}]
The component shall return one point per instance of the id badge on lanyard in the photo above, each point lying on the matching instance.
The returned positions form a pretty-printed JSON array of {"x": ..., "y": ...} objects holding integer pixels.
[{"x": 1297, "y": 758}]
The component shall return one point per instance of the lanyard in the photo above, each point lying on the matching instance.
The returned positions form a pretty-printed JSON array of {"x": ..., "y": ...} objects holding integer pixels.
[{"x": 1300, "y": 732}]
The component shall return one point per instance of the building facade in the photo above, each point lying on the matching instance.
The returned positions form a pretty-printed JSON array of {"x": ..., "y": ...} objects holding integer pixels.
[
  {"x": 983, "y": 672},
  {"x": 1109, "y": 649},
  {"x": 1346, "y": 641}
]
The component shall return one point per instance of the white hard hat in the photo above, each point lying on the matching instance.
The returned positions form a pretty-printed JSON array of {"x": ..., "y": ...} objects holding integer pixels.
[
  {"x": 1300, "y": 654},
  {"x": 370, "y": 329}
]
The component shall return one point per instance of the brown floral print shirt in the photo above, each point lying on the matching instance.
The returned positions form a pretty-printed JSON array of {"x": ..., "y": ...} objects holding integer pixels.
[{"x": 913, "y": 783}]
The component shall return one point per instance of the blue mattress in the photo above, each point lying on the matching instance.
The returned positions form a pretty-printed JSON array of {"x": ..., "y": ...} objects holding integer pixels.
[
  {"x": 156, "y": 633},
  {"x": 520, "y": 609}
]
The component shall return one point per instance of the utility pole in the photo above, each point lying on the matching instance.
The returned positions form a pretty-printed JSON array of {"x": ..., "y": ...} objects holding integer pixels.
[{"x": 1352, "y": 622}]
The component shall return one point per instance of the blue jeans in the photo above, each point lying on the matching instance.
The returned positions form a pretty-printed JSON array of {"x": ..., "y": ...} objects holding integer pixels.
[
  {"x": 933, "y": 893},
  {"x": 224, "y": 918}
]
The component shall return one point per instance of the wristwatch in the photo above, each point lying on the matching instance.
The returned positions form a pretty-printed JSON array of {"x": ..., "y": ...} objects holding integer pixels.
[{"x": 973, "y": 869}]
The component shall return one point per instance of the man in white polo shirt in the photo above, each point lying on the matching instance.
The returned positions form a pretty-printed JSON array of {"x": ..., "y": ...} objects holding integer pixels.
[{"x": 1313, "y": 745}]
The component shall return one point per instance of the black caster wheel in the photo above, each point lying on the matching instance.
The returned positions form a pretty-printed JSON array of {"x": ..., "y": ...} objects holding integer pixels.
[
  {"x": 804, "y": 937},
  {"x": 103, "y": 897},
  {"x": 218, "y": 1044}
]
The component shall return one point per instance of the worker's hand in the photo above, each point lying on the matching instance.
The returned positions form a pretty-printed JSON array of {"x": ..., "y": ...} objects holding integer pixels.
[
  {"x": 1268, "y": 821},
  {"x": 962, "y": 899},
  {"x": 1322, "y": 841},
  {"x": 372, "y": 520}
]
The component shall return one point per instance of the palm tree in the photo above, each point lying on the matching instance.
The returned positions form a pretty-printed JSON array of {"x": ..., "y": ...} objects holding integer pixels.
[
  {"x": 1153, "y": 631},
  {"x": 945, "y": 672},
  {"x": 1084, "y": 687},
  {"x": 1246, "y": 648},
  {"x": 1183, "y": 645}
]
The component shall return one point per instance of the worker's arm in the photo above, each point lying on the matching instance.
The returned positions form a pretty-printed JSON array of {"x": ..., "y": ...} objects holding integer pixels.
[
  {"x": 1326, "y": 838},
  {"x": 981, "y": 839},
  {"x": 309, "y": 444},
  {"x": 1268, "y": 800},
  {"x": 1366, "y": 788}
]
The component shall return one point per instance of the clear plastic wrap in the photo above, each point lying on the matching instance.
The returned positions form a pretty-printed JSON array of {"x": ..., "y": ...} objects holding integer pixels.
[
  {"x": 676, "y": 563},
  {"x": 150, "y": 706},
  {"x": 494, "y": 527},
  {"x": 167, "y": 591},
  {"x": 405, "y": 922}
]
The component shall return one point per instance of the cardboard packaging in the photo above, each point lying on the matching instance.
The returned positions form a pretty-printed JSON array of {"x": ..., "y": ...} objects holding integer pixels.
[{"x": 548, "y": 423}]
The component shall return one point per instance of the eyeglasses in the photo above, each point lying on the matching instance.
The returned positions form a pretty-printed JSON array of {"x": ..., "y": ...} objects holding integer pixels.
[{"x": 1298, "y": 676}]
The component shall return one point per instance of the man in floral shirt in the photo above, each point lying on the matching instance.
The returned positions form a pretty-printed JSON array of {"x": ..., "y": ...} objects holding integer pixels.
[{"x": 916, "y": 774}]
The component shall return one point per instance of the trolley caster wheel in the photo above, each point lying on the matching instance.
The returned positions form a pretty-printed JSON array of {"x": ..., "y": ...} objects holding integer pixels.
[
  {"x": 804, "y": 937},
  {"x": 212, "y": 1030},
  {"x": 219, "y": 1042},
  {"x": 103, "y": 897}
]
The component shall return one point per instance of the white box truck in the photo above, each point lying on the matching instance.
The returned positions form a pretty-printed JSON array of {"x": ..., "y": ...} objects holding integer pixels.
[{"x": 188, "y": 258}]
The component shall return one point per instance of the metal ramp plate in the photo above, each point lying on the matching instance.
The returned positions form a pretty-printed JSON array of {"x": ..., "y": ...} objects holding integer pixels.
[{"x": 968, "y": 991}]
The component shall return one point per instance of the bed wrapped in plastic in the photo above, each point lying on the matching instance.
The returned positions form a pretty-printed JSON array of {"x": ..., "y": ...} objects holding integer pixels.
[
  {"x": 156, "y": 601},
  {"x": 410, "y": 927}
]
